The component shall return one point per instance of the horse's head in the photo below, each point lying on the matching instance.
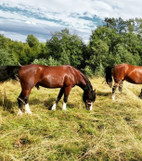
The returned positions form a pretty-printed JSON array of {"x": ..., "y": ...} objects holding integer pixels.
[{"x": 89, "y": 97}]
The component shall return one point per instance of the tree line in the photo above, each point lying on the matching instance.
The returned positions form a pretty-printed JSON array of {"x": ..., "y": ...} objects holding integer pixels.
[{"x": 116, "y": 41}]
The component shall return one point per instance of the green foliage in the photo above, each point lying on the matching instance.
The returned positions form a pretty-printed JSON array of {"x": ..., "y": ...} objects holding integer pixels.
[
  {"x": 6, "y": 58},
  {"x": 50, "y": 61},
  {"x": 88, "y": 71},
  {"x": 32, "y": 41},
  {"x": 21, "y": 51},
  {"x": 99, "y": 52},
  {"x": 66, "y": 48},
  {"x": 124, "y": 56},
  {"x": 4, "y": 42},
  {"x": 117, "y": 41},
  {"x": 64, "y": 58}
]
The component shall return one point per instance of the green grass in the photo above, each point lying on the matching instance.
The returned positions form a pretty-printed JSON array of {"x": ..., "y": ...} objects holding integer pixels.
[{"x": 111, "y": 131}]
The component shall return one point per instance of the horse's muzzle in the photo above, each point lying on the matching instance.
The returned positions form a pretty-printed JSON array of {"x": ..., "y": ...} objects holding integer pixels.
[{"x": 89, "y": 105}]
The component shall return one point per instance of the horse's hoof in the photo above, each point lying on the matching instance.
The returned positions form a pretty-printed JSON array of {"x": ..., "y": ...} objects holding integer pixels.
[
  {"x": 64, "y": 109},
  {"x": 20, "y": 113},
  {"x": 53, "y": 108}
]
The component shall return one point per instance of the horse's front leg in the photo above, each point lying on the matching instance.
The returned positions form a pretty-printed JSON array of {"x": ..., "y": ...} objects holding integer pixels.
[
  {"x": 58, "y": 99},
  {"x": 113, "y": 91},
  {"x": 121, "y": 86},
  {"x": 66, "y": 95}
]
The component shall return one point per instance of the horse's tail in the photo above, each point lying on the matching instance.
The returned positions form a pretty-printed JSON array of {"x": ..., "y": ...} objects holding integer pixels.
[
  {"x": 108, "y": 75},
  {"x": 9, "y": 72}
]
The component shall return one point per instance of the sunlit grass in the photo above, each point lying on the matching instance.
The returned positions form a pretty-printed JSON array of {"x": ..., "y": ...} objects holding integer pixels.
[{"x": 111, "y": 131}]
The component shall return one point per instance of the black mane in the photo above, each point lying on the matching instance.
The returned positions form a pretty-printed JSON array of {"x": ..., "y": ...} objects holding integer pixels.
[
  {"x": 88, "y": 85},
  {"x": 88, "y": 94}
]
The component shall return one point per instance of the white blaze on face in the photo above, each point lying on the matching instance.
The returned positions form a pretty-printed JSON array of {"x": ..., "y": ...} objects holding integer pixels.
[
  {"x": 27, "y": 109},
  {"x": 64, "y": 106},
  {"x": 91, "y": 107}
]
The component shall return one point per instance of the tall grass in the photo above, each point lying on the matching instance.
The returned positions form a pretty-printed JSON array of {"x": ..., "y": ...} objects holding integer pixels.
[{"x": 112, "y": 131}]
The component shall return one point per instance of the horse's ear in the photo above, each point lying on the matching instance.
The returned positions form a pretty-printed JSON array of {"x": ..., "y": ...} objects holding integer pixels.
[{"x": 94, "y": 90}]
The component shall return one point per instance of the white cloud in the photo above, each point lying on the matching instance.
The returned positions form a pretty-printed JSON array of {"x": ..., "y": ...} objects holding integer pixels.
[
  {"x": 14, "y": 36},
  {"x": 50, "y": 16}
]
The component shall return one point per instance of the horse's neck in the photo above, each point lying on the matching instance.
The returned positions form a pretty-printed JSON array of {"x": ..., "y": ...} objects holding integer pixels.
[{"x": 83, "y": 81}]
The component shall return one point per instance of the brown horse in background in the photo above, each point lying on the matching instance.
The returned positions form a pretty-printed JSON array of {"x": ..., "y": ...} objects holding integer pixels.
[
  {"x": 121, "y": 72},
  {"x": 64, "y": 77}
]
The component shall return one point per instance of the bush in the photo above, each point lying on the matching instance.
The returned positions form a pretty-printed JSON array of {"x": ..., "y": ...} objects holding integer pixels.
[
  {"x": 7, "y": 58},
  {"x": 88, "y": 71},
  {"x": 50, "y": 61},
  {"x": 99, "y": 70}
]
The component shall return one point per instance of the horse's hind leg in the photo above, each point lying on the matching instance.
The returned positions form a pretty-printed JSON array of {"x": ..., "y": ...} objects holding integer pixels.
[
  {"x": 58, "y": 99},
  {"x": 140, "y": 96},
  {"x": 20, "y": 105},
  {"x": 24, "y": 99}
]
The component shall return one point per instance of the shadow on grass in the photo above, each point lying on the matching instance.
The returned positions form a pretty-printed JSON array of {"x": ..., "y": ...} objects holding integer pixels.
[
  {"x": 35, "y": 101},
  {"x": 99, "y": 93},
  {"x": 6, "y": 104},
  {"x": 49, "y": 103}
]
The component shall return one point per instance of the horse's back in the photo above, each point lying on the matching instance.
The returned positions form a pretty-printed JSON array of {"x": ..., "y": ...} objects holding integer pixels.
[{"x": 59, "y": 76}]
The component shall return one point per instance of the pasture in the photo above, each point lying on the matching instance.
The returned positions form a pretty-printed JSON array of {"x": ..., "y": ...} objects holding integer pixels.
[{"x": 111, "y": 131}]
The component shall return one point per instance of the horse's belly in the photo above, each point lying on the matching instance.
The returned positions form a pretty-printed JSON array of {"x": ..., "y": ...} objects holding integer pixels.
[
  {"x": 135, "y": 80},
  {"x": 47, "y": 86},
  {"x": 51, "y": 83}
]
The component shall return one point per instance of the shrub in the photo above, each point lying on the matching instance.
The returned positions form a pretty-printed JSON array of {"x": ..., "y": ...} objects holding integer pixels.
[
  {"x": 50, "y": 61},
  {"x": 7, "y": 58}
]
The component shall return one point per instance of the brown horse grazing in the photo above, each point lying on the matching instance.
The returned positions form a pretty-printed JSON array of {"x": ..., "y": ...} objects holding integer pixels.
[
  {"x": 121, "y": 72},
  {"x": 64, "y": 77}
]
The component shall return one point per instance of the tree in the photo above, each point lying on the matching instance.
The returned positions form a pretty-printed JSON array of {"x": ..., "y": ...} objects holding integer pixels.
[
  {"x": 118, "y": 24},
  {"x": 32, "y": 41},
  {"x": 4, "y": 42},
  {"x": 35, "y": 47},
  {"x": 99, "y": 54},
  {"x": 6, "y": 58},
  {"x": 123, "y": 44},
  {"x": 66, "y": 48},
  {"x": 122, "y": 55}
]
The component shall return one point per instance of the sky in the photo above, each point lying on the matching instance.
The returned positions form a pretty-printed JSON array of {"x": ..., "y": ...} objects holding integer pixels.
[{"x": 42, "y": 18}]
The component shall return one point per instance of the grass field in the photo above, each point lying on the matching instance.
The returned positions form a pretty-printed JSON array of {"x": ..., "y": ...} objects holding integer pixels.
[{"x": 111, "y": 131}]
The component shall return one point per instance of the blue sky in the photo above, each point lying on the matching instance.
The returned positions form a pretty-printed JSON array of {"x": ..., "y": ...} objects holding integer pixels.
[{"x": 18, "y": 18}]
